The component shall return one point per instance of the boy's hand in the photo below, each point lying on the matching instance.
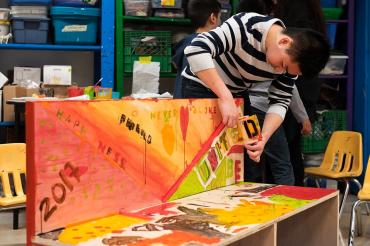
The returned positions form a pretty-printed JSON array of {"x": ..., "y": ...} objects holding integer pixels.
[
  {"x": 255, "y": 149},
  {"x": 229, "y": 112},
  {"x": 306, "y": 127}
]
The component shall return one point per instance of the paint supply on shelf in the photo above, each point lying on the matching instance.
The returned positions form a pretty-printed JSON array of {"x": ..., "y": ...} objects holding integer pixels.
[
  {"x": 103, "y": 93},
  {"x": 74, "y": 91},
  {"x": 90, "y": 92}
]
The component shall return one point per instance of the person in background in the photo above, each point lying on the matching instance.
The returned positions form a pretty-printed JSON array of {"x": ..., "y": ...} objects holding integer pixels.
[
  {"x": 302, "y": 14},
  {"x": 205, "y": 16},
  {"x": 263, "y": 7},
  {"x": 249, "y": 48}
]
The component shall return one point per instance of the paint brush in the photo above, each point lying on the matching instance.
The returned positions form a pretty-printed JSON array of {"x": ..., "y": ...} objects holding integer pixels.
[{"x": 100, "y": 80}]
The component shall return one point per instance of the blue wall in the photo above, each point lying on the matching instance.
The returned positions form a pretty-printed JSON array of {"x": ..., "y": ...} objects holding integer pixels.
[{"x": 361, "y": 118}]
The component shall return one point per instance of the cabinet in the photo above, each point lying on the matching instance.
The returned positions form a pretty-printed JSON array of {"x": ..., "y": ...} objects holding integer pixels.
[
  {"x": 103, "y": 53},
  {"x": 136, "y": 23},
  {"x": 344, "y": 43}
]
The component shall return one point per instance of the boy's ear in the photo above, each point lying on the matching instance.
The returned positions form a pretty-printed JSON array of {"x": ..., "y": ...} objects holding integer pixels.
[
  {"x": 213, "y": 19},
  {"x": 285, "y": 41}
]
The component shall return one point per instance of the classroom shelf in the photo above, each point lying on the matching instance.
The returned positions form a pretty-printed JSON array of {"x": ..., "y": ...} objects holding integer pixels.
[
  {"x": 163, "y": 75},
  {"x": 346, "y": 46},
  {"x": 121, "y": 22},
  {"x": 50, "y": 47},
  {"x": 162, "y": 20},
  {"x": 350, "y": 62},
  {"x": 337, "y": 21},
  {"x": 103, "y": 52},
  {"x": 333, "y": 76}
]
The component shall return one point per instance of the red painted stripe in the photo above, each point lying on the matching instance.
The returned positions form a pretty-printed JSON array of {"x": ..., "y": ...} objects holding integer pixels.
[
  {"x": 196, "y": 159},
  {"x": 31, "y": 172}
]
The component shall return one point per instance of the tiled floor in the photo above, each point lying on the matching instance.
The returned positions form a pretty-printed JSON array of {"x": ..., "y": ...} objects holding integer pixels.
[
  {"x": 9, "y": 236},
  {"x": 364, "y": 239},
  {"x": 18, "y": 237}
]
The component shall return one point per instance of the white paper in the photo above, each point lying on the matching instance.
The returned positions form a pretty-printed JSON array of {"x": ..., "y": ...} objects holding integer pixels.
[
  {"x": 77, "y": 98},
  {"x": 146, "y": 77},
  {"x": 142, "y": 94},
  {"x": 3, "y": 80}
]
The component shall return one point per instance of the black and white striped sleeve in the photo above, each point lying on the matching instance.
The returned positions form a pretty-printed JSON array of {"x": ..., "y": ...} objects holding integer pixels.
[
  {"x": 209, "y": 45},
  {"x": 280, "y": 93}
]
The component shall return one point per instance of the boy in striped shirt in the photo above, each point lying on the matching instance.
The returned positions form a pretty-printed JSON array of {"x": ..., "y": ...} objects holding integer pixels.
[{"x": 249, "y": 48}]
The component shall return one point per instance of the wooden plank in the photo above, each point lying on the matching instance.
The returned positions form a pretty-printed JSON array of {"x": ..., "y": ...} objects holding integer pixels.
[
  {"x": 264, "y": 237},
  {"x": 318, "y": 225}
]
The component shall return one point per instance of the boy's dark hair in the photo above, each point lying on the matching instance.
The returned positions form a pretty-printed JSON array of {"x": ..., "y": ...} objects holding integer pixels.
[
  {"x": 310, "y": 49},
  {"x": 200, "y": 10}
]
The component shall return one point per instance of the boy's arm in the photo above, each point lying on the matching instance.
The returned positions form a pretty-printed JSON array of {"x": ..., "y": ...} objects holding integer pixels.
[
  {"x": 299, "y": 112},
  {"x": 226, "y": 103},
  {"x": 200, "y": 54},
  {"x": 280, "y": 93},
  {"x": 297, "y": 107},
  {"x": 271, "y": 123}
]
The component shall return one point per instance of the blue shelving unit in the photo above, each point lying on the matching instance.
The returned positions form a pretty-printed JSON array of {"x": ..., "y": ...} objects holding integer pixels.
[
  {"x": 51, "y": 47},
  {"x": 107, "y": 51},
  {"x": 362, "y": 76},
  {"x": 103, "y": 53}
]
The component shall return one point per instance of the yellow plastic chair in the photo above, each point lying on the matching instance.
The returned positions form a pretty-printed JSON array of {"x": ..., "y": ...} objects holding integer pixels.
[
  {"x": 12, "y": 163},
  {"x": 342, "y": 161},
  {"x": 363, "y": 197}
]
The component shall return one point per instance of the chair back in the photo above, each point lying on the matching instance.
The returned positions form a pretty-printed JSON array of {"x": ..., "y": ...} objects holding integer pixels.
[
  {"x": 12, "y": 163},
  {"x": 364, "y": 193},
  {"x": 344, "y": 153}
]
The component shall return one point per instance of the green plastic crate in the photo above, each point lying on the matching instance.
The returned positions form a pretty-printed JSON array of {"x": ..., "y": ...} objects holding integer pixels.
[
  {"x": 156, "y": 44},
  {"x": 326, "y": 123},
  {"x": 332, "y": 13}
]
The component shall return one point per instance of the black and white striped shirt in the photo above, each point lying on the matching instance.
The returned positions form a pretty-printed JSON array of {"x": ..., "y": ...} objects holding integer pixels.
[{"x": 237, "y": 50}]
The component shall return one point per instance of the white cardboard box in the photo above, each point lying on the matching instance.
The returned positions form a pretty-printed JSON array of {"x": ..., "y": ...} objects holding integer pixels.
[
  {"x": 9, "y": 92},
  {"x": 26, "y": 73},
  {"x": 57, "y": 75}
]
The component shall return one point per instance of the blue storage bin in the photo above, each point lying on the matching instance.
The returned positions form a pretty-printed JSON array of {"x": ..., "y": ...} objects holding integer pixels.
[
  {"x": 75, "y": 25},
  {"x": 331, "y": 31},
  {"x": 29, "y": 2},
  {"x": 75, "y": 3},
  {"x": 328, "y": 3},
  {"x": 30, "y": 30}
]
